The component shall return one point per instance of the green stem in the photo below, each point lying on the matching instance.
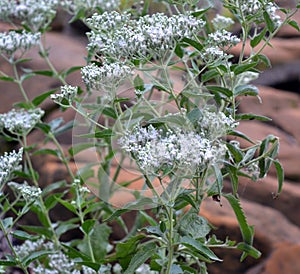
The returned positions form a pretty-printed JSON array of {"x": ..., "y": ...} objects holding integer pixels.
[
  {"x": 170, "y": 237},
  {"x": 19, "y": 83},
  {"x": 6, "y": 232}
]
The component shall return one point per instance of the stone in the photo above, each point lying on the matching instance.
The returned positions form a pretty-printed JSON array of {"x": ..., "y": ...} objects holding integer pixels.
[{"x": 284, "y": 259}]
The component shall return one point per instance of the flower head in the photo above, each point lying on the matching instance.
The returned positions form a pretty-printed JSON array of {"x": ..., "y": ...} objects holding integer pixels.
[
  {"x": 12, "y": 41},
  {"x": 108, "y": 75},
  {"x": 221, "y": 22},
  {"x": 29, "y": 193},
  {"x": 150, "y": 35},
  {"x": 9, "y": 163},
  {"x": 67, "y": 92},
  {"x": 20, "y": 122}
]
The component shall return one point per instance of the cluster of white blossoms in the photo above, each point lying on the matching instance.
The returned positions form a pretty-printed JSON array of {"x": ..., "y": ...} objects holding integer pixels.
[
  {"x": 182, "y": 152},
  {"x": 20, "y": 122},
  {"x": 222, "y": 38},
  {"x": 12, "y": 41},
  {"x": 58, "y": 262},
  {"x": 256, "y": 8},
  {"x": 221, "y": 22},
  {"x": 36, "y": 14},
  {"x": 68, "y": 92},
  {"x": 29, "y": 193},
  {"x": 149, "y": 36},
  {"x": 108, "y": 75},
  {"x": 9, "y": 163},
  {"x": 73, "y": 6}
]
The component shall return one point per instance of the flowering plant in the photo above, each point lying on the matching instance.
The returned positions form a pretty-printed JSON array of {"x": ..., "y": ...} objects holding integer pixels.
[{"x": 174, "y": 142}]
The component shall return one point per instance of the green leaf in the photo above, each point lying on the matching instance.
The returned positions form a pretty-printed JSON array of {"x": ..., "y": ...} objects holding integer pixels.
[
  {"x": 41, "y": 98},
  {"x": 141, "y": 256},
  {"x": 98, "y": 240},
  {"x": 47, "y": 151},
  {"x": 269, "y": 22},
  {"x": 88, "y": 225},
  {"x": 236, "y": 153},
  {"x": 217, "y": 89},
  {"x": 22, "y": 235},
  {"x": 178, "y": 51},
  {"x": 246, "y": 90},
  {"x": 209, "y": 75},
  {"x": 263, "y": 58},
  {"x": 219, "y": 179},
  {"x": 43, "y": 127},
  {"x": 80, "y": 147},
  {"x": 64, "y": 227},
  {"x": 201, "y": 12},
  {"x": 193, "y": 43},
  {"x": 193, "y": 225},
  {"x": 238, "y": 69},
  {"x": 241, "y": 135},
  {"x": 54, "y": 186},
  {"x": 47, "y": 73},
  {"x": 110, "y": 112},
  {"x": 280, "y": 176},
  {"x": 199, "y": 247},
  {"x": 257, "y": 38},
  {"x": 251, "y": 116},
  {"x": 36, "y": 255},
  {"x": 294, "y": 24},
  {"x": 51, "y": 200},
  {"x": 7, "y": 78},
  {"x": 105, "y": 133},
  {"x": 8, "y": 262},
  {"x": 233, "y": 174},
  {"x": 64, "y": 128},
  {"x": 176, "y": 269},
  {"x": 67, "y": 205},
  {"x": 72, "y": 69},
  {"x": 38, "y": 230},
  {"x": 248, "y": 250},
  {"x": 138, "y": 83},
  {"x": 246, "y": 230}
]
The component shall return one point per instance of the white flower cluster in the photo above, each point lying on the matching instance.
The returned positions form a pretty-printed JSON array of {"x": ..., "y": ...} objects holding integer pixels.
[
  {"x": 211, "y": 54},
  {"x": 183, "y": 152},
  {"x": 221, "y": 22},
  {"x": 222, "y": 38},
  {"x": 9, "y": 163},
  {"x": 67, "y": 92},
  {"x": 213, "y": 125},
  {"x": 29, "y": 193},
  {"x": 73, "y": 6},
  {"x": 20, "y": 122},
  {"x": 12, "y": 41},
  {"x": 149, "y": 36},
  {"x": 36, "y": 15},
  {"x": 108, "y": 75},
  {"x": 258, "y": 7},
  {"x": 58, "y": 262}
]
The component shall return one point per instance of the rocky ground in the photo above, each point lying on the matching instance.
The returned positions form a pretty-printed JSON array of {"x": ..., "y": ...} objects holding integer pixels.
[{"x": 276, "y": 221}]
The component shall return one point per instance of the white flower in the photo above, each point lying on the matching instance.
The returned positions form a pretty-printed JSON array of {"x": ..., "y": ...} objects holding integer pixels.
[
  {"x": 20, "y": 122},
  {"x": 221, "y": 22},
  {"x": 107, "y": 75},
  {"x": 222, "y": 38},
  {"x": 36, "y": 15},
  {"x": 148, "y": 36},
  {"x": 29, "y": 193},
  {"x": 12, "y": 41},
  {"x": 9, "y": 163},
  {"x": 73, "y": 6},
  {"x": 67, "y": 92}
]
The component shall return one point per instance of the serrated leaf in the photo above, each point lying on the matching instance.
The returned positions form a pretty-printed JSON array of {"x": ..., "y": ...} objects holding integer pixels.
[
  {"x": 243, "y": 90},
  {"x": 141, "y": 256},
  {"x": 198, "y": 247}
]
